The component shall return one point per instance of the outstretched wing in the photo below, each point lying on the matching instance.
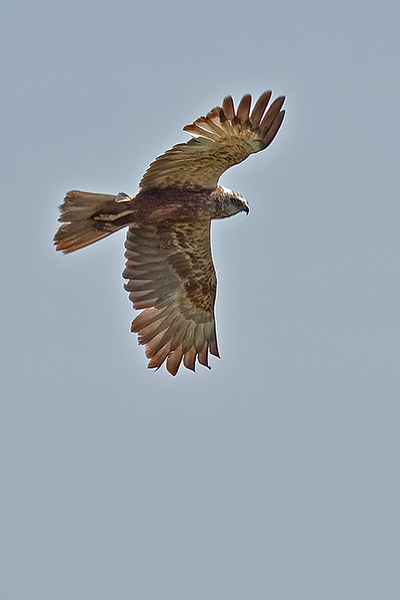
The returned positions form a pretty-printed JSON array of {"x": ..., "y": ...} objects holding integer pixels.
[
  {"x": 171, "y": 276},
  {"x": 223, "y": 138}
]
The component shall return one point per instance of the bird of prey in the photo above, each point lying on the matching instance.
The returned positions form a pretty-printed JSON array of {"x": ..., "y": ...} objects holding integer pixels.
[{"x": 169, "y": 269}]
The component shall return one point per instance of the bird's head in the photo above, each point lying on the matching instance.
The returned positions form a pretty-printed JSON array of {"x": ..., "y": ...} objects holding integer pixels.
[{"x": 231, "y": 202}]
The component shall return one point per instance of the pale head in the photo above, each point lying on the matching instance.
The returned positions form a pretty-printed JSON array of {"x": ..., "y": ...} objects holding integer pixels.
[{"x": 230, "y": 202}]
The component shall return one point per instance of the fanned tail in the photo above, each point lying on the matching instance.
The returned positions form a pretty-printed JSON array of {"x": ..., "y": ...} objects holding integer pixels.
[{"x": 87, "y": 217}]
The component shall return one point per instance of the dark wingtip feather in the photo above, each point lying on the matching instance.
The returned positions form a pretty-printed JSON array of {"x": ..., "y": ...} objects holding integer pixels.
[
  {"x": 274, "y": 128},
  {"x": 259, "y": 108},
  {"x": 243, "y": 110},
  {"x": 228, "y": 107},
  {"x": 272, "y": 112}
]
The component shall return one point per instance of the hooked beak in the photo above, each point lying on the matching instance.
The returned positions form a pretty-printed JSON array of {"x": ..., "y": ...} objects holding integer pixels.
[{"x": 246, "y": 209}]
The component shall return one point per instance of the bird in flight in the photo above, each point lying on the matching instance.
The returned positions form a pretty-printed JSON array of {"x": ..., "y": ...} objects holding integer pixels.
[{"x": 169, "y": 269}]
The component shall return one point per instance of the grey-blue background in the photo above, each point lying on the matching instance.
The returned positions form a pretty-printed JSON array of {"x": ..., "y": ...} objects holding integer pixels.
[{"x": 276, "y": 474}]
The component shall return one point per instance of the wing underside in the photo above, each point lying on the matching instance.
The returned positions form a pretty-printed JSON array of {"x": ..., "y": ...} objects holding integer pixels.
[
  {"x": 171, "y": 278},
  {"x": 221, "y": 139}
]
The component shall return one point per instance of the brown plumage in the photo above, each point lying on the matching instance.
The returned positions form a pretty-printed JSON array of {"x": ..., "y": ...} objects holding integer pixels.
[{"x": 169, "y": 267}]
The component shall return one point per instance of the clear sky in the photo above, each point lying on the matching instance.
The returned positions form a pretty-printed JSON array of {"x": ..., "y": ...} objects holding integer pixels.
[{"x": 276, "y": 474}]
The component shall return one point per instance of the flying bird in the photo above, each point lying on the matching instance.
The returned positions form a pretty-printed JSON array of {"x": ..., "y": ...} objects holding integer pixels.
[{"x": 169, "y": 269}]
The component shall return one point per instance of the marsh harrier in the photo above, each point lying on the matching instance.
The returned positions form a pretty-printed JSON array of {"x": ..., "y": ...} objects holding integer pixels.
[{"x": 169, "y": 267}]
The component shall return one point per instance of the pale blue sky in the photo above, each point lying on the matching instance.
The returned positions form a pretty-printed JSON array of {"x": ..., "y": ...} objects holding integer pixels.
[{"x": 276, "y": 474}]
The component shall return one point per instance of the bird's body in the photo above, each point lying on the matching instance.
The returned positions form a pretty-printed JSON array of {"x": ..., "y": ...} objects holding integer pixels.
[
  {"x": 172, "y": 205},
  {"x": 169, "y": 267}
]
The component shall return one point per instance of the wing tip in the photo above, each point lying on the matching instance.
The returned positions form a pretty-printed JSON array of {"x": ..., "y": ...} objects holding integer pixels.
[{"x": 189, "y": 360}]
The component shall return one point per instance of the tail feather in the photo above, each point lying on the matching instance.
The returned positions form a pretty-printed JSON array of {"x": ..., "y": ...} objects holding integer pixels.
[{"x": 87, "y": 217}]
